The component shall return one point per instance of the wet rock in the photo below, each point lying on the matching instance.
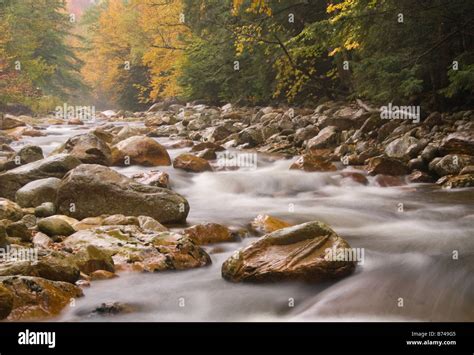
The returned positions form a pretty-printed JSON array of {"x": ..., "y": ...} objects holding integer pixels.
[
  {"x": 459, "y": 181},
  {"x": 9, "y": 122},
  {"x": 386, "y": 166},
  {"x": 458, "y": 143},
  {"x": 131, "y": 248},
  {"x": 88, "y": 148},
  {"x": 326, "y": 138},
  {"x": 207, "y": 154},
  {"x": 96, "y": 190},
  {"x": 467, "y": 170},
  {"x": 10, "y": 210},
  {"x": 38, "y": 298},
  {"x": 207, "y": 145},
  {"x": 451, "y": 164},
  {"x": 191, "y": 163},
  {"x": 153, "y": 178},
  {"x": 312, "y": 163},
  {"x": 6, "y": 302},
  {"x": 294, "y": 253},
  {"x": 46, "y": 209},
  {"x": 51, "y": 265},
  {"x": 418, "y": 176},
  {"x": 356, "y": 177},
  {"x": 207, "y": 233},
  {"x": 54, "y": 166},
  {"x": 102, "y": 275},
  {"x": 251, "y": 136},
  {"x": 266, "y": 224},
  {"x": 114, "y": 308},
  {"x": 140, "y": 150},
  {"x": 55, "y": 226},
  {"x": 429, "y": 153},
  {"x": 91, "y": 259},
  {"x": 388, "y": 180},
  {"x": 38, "y": 192}
]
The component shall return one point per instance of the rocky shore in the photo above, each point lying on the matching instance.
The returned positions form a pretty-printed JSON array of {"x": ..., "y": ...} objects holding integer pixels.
[{"x": 84, "y": 221}]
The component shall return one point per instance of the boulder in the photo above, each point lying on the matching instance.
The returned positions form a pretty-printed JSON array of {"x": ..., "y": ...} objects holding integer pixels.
[
  {"x": 9, "y": 122},
  {"x": 133, "y": 248},
  {"x": 402, "y": 148},
  {"x": 90, "y": 259},
  {"x": 458, "y": 143},
  {"x": 326, "y": 138},
  {"x": 19, "y": 230},
  {"x": 215, "y": 134},
  {"x": 27, "y": 154},
  {"x": 10, "y": 210},
  {"x": 6, "y": 302},
  {"x": 451, "y": 164},
  {"x": 55, "y": 226},
  {"x": 207, "y": 145},
  {"x": 45, "y": 210},
  {"x": 153, "y": 178},
  {"x": 453, "y": 182},
  {"x": 386, "y": 166},
  {"x": 312, "y": 163},
  {"x": 192, "y": 163},
  {"x": 38, "y": 192},
  {"x": 94, "y": 190},
  {"x": 38, "y": 298},
  {"x": 88, "y": 148},
  {"x": 293, "y": 253},
  {"x": 140, "y": 150},
  {"x": 53, "y": 166},
  {"x": 207, "y": 233}
]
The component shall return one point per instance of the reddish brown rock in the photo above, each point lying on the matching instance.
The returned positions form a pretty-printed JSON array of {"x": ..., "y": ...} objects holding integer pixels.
[
  {"x": 140, "y": 150},
  {"x": 207, "y": 233},
  {"x": 312, "y": 163},
  {"x": 191, "y": 163},
  {"x": 386, "y": 166}
]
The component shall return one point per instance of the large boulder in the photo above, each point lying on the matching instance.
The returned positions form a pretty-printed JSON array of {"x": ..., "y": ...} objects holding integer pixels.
[
  {"x": 294, "y": 253},
  {"x": 402, "y": 148},
  {"x": 94, "y": 190},
  {"x": 88, "y": 148},
  {"x": 451, "y": 164},
  {"x": 27, "y": 154},
  {"x": 137, "y": 249},
  {"x": 37, "y": 192},
  {"x": 140, "y": 150},
  {"x": 38, "y": 298},
  {"x": 53, "y": 166}
]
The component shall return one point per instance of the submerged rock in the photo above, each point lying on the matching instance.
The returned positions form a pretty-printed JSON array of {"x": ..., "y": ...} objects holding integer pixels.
[
  {"x": 94, "y": 190},
  {"x": 294, "y": 253}
]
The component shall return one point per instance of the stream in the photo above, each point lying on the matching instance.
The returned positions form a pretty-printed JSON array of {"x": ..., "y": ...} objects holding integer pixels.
[{"x": 408, "y": 255}]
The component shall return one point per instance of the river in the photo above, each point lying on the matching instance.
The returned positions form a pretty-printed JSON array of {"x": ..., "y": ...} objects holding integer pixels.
[{"x": 408, "y": 271}]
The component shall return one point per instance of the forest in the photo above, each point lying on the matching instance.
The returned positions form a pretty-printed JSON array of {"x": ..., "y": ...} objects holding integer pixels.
[{"x": 130, "y": 54}]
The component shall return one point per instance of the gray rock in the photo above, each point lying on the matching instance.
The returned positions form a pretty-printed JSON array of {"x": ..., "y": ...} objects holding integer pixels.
[{"x": 38, "y": 192}]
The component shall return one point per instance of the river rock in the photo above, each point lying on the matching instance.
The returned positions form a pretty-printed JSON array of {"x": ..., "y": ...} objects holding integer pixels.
[
  {"x": 207, "y": 145},
  {"x": 132, "y": 247},
  {"x": 451, "y": 164},
  {"x": 53, "y": 166},
  {"x": 95, "y": 190},
  {"x": 216, "y": 134},
  {"x": 458, "y": 143},
  {"x": 38, "y": 298},
  {"x": 191, "y": 163},
  {"x": 153, "y": 178},
  {"x": 90, "y": 259},
  {"x": 207, "y": 233},
  {"x": 37, "y": 192},
  {"x": 294, "y": 253},
  {"x": 6, "y": 302},
  {"x": 88, "y": 148},
  {"x": 312, "y": 163},
  {"x": 19, "y": 230},
  {"x": 55, "y": 226},
  {"x": 10, "y": 210},
  {"x": 140, "y": 150},
  {"x": 452, "y": 182},
  {"x": 9, "y": 122},
  {"x": 326, "y": 138},
  {"x": 386, "y": 166},
  {"x": 267, "y": 224},
  {"x": 46, "y": 209},
  {"x": 401, "y": 147}
]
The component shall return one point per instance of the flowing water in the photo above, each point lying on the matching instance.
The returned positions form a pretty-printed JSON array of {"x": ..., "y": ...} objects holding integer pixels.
[{"x": 408, "y": 273}]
